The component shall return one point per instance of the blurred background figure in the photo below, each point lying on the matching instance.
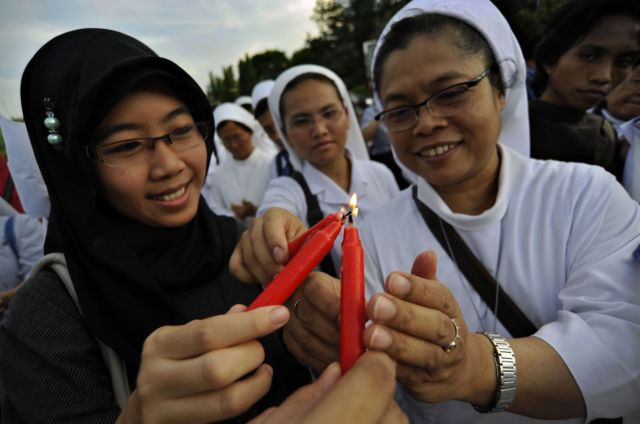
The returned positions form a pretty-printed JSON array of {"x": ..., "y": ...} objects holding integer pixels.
[{"x": 245, "y": 102}]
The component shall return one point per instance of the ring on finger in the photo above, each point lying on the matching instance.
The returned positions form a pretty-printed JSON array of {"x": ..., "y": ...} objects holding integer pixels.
[
  {"x": 454, "y": 342},
  {"x": 295, "y": 307}
]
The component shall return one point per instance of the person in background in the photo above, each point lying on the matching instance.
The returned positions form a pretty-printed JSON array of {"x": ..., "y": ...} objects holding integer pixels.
[
  {"x": 244, "y": 102},
  {"x": 317, "y": 124},
  {"x": 238, "y": 185},
  {"x": 587, "y": 49},
  {"x": 505, "y": 287},
  {"x": 280, "y": 164},
  {"x": 9, "y": 192}
]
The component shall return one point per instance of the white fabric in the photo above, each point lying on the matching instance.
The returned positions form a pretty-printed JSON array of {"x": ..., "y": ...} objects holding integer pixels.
[
  {"x": 242, "y": 100},
  {"x": 238, "y": 180},
  {"x": 487, "y": 19},
  {"x": 355, "y": 141},
  {"x": 631, "y": 178},
  {"x": 235, "y": 113},
  {"x": 559, "y": 240},
  {"x": 261, "y": 91},
  {"x": 371, "y": 181},
  {"x": 29, "y": 235},
  {"x": 24, "y": 169}
]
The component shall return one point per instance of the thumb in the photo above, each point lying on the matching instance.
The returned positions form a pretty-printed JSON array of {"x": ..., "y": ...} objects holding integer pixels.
[{"x": 425, "y": 265}]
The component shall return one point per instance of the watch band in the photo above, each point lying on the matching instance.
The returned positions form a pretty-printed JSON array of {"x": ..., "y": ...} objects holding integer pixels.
[{"x": 506, "y": 374}]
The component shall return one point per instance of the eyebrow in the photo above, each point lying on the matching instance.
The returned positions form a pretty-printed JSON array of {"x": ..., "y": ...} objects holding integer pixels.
[
  {"x": 447, "y": 76},
  {"x": 109, "y": 131},
  {"x": 322, "y": 109}
]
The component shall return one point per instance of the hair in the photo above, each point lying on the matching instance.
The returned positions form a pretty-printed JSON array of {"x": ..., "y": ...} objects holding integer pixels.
[
  {"x": 309, "y": 76},
  {"x": 261, "y": 107},
  {"x": 222, "y": 124},
  {"x": 569, "y": 25},
  {"x": 462, "y": 35}
]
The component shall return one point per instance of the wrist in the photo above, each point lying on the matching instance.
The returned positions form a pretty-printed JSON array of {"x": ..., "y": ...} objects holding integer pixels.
[
  {"x": 505, "y": 375},
  {"x": 480, "y": 388}
]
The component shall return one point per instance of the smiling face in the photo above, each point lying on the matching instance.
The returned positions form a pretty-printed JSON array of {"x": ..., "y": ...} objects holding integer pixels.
[
  {"x": 586, "y": 72},
  {"x": 164, "y": 189},
  {"x": 315, "y": 122},
  {"x": 451, "y": 153}
]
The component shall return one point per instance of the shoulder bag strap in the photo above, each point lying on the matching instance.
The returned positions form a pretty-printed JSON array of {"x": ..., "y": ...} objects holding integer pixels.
[
  {"x": 480, "y": 279},
  {"x": 10, "y": 235},
  {"x": 314, "y": 215}
]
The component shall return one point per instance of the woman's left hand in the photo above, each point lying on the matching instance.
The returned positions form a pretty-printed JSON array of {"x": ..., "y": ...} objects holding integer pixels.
[{"x": 419, "y": 323}]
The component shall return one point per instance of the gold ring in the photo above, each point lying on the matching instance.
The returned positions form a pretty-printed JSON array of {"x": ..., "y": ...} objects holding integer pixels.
[{"x": 453, "y": 343}]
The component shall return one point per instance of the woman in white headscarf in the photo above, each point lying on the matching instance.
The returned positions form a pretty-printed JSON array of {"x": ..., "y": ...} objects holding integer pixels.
[
  {"x": 236, "y": 187},
  {"x": 556, "y": 334},
  {"x": 318, "y": 127}
]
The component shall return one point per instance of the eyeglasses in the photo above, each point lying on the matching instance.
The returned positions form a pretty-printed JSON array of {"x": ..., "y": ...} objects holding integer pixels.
[
  {"x": 305, "y": 123},
  {"x": 444, "y": 103},
  {"x": 135, "y": 150}
]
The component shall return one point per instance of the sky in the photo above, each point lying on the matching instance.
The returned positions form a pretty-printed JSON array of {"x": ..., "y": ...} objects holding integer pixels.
[{"x": 199, "y": 35}]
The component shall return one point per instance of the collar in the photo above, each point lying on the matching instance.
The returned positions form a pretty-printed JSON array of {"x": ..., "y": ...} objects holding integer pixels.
[{"x": 328, "y": 191}]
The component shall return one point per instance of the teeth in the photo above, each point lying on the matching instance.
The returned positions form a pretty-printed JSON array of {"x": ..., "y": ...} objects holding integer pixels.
[
  {"x": 435, "y": 151},
  {"x": 172, "y": 196}
]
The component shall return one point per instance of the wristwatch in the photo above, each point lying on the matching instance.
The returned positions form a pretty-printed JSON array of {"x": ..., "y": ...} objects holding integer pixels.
[{"x": 506, "y": 374}]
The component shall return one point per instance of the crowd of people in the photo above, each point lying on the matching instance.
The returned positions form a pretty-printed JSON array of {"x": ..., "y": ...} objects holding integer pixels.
[{"x": 498, "y": 214}]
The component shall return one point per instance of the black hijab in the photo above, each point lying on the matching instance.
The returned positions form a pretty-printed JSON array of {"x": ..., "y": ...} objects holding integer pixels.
[{"x": 130, "y": 278}]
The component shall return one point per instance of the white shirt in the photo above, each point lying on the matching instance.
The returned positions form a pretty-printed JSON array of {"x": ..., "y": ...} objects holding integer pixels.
[
  {"x": 560, "y": 241},
  {"x": 238, "y": 180},
  {"x": 371, "y": 181}
]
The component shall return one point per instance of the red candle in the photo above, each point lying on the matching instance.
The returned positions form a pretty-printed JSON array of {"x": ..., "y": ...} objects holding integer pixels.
[
  {"x": 295, "y": 245},
  {"x": 352, "y": 305},
  {"x": 300, "y": 265}
]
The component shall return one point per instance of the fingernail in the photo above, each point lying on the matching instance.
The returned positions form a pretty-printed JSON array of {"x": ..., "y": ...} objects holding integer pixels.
[
  {"x": 278, "y": 254},
  {"x": 383, "y": 309},
  {"x": 330, "y": 375},
  {"x": 399, "y": 285},
  {"x": 279, "y": 315},
  {"x": 380, "y": 339}
]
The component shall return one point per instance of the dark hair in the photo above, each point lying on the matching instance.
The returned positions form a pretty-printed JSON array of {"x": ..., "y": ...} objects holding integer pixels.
[
  {"x": 465, "y": 37},
  {"x": 222, "y": 124},
  {"x": 261, "y": 107},
  {"x": 569, "y": 25},
  {"x": 301, "y": 78}
]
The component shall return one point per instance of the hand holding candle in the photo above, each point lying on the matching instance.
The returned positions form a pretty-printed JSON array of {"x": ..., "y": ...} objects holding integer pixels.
[{"x": 352, "y": 302}]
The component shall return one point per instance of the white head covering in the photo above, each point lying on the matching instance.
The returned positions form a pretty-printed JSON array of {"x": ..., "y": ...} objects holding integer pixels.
[
  {"x": 355, "y": 141},
  {"x": 487, "y": 19},
  {"x": 24, "y": 169},
  {"x": 235, "y": 113},
  {"x": 243, "y": 100},
  {"x": 261, "y": 91}
]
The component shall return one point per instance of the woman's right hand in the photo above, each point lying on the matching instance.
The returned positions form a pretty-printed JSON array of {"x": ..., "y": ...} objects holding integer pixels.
[{"x": 194, "y": 372}]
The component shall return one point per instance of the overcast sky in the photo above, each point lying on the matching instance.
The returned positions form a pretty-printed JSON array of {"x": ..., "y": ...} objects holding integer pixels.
[{"x": 199, "y": 35}]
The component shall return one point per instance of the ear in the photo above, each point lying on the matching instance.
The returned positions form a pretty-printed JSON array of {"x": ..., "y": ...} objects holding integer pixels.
[{"x": 547, "y": 68}]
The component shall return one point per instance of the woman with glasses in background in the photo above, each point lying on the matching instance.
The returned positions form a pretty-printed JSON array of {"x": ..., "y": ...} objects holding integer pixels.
[
  {"x": 501, "y": 284},
  {"x": 318, "y": 126}
]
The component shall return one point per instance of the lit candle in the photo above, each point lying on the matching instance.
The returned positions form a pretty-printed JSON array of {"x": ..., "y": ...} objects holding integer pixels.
[
  {"x": 352, "y": 305},
  {"x": 295, "y": 245},
  {"x": 300, "y": 265}
]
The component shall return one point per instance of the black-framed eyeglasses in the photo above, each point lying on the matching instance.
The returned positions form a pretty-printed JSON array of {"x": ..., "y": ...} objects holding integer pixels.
[
  {"x": 443, "y": 104},
  {"x": 134, "y": 150}
]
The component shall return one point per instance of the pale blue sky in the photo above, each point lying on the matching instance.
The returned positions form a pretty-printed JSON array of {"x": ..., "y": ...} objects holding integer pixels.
[{"x": 199, "y": 35}]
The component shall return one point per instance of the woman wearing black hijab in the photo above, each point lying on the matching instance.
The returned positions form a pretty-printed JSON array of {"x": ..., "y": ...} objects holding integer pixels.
[{"x": 123, "y": 152}]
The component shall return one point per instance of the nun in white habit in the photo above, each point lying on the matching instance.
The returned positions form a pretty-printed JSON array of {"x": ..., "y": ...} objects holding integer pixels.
[
  {"x": 317, "y": 124},
  {"x": 238, "y": 184}
]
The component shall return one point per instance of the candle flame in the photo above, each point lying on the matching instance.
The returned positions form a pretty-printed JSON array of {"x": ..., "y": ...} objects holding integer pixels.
[
  {"x": 354, "y": 212},
  {"x": 353, "y": 202}
]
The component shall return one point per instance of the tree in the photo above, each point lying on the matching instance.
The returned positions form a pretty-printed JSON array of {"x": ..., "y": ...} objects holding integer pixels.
[{"x": 223, "y": 89}]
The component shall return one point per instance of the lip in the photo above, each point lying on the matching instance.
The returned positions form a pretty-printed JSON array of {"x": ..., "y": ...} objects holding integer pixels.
[
  {"x": 173, "y": 203},
  {"x": 593, "y": 94},
  {"x": 323, "y": 145}
]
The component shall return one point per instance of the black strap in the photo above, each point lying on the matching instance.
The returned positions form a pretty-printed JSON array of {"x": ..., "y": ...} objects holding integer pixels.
[
  {"x": 8, "y": 189},
  {"x": 283, "y": 164},
  {"x": 314, "y": 215},
  {"x": 509, "y": 314}
]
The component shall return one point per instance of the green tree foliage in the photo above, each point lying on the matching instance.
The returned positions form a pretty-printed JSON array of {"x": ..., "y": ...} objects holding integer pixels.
[{"x": 222, "y": 89}]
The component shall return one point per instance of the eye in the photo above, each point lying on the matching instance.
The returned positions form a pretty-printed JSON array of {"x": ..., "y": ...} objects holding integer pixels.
[
  {"x": 452, "y": 96},
  {"x": 301, "y": 122},
  {"x": 330, "y": 113},
  {"x": 588, "y": 56},
  {"x": 624, "y": 61},
  {"x": 182, "y": 132},
  {"x": 398, "y": 115},
  {"x": 123, "y": 147}
]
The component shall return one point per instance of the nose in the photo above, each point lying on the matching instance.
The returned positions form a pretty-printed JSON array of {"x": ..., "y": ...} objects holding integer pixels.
[
  {"x": 319, "y": 126},
  {"x": 601, "y": 73},
  {"x": 427, "y": 123},
  {"x": 165, "y": 161}
]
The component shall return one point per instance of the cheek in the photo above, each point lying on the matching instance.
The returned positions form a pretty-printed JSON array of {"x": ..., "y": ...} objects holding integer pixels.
[{"x": 120, "y": 186}]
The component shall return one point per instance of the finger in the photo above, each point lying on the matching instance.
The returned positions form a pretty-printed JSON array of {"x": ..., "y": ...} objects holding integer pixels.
[
  {"x": 410, "y": 350},
  {"x": 361, "y": 395},
  {"x": 416, "y": 320},
  {"x": 425, "y": 265},
  {"x": 321, "y": 322},
  {"x": 393, "y": 415},
  {"x": 296, "y": 407},
  {"x": 308, "y": 349},
  {"x": 238, "y": 264},
  {"x": 263, "y": 253},
  {"x": 323, "y": 292},
  {"x": 430, "y": 293},
  {"x": 250, "y": 244},
  {"x": 218, "y": 404},
  {"x": 201, "y": 336},
  {"x": 280, "y": 226}
]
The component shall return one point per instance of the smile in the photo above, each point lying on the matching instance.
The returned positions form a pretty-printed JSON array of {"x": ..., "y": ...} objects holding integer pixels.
[
  {"x": 437, "y": 151},
  {"x": 171, "y": 196}
]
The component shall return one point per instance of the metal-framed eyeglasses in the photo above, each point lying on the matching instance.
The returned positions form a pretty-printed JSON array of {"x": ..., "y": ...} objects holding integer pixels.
[
  {"x": 443, "y": 104},
  {"x": 135, "y": 150},
  {"x": 304, "y": 123}
]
